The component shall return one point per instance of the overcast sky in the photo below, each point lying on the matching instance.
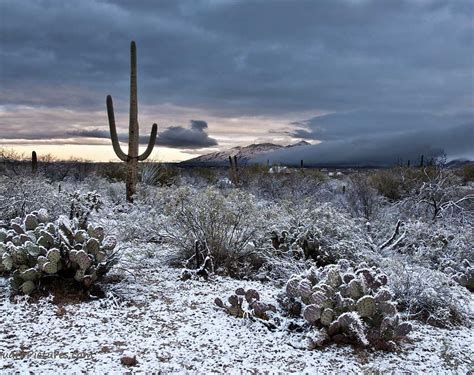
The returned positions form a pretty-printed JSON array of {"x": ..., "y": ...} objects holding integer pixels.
[{"x": 214, "y": 74}]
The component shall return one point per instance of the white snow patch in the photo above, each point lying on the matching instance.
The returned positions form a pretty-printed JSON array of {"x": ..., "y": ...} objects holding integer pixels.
[{"x": 173, "y": 326}]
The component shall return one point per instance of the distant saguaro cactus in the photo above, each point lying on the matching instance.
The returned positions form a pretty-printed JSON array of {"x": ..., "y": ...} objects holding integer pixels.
[
  {"x": 132, "y": 158},
  {"x": 236, "y": 166},
  {"x": 234, "y": 170},
  {"x": 34, "y": 162}
]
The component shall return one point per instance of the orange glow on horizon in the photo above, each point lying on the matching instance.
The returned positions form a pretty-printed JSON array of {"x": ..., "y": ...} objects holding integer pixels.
[{"x": 94, "y": 152}]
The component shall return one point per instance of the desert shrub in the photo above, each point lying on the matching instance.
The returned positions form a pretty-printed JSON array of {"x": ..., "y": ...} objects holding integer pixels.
[
  {"x": 294, "y": 186},
  {"x": 427, "y": 295},
  {"x": 22, "y": 194},
  {"x": 60, "y": 170},
  {"x": 158, "y": 174},
  {"x": 115, "y": 193},
  {"x": 362, "y": 199},
  {"x": 440, "y": 201},
  {"x": 13, "y": 163},
  {"x": 269, "y": 186},
  {"x": 201, "y": 177},
  {"x": 353, "y": 305},
  {"x": 83, "y": 205},
  {"x": 142, "y": 221},
  {"x": 278, "y": 266},
  {"x": 467, "y": 172},
  {"x": 137, "y": 223},
  {"x": 387, "y": 183},
  {"x": 315, "y": 174},
  {"x": 321, "y": 233},
  {"x": 252, "y": 172},
  {"x": 436, "y": 193},
  {"x": 230, "y": 227},
  {"x": 112, "y": 171},
  {"x": 435, "y": 246},
  {"x": 209, "y": 175},
  {"x": 35, "y": 251}
]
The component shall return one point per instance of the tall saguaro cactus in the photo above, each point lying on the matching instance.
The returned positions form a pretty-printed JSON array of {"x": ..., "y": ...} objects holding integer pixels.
[{"x": 132, "y": 158}]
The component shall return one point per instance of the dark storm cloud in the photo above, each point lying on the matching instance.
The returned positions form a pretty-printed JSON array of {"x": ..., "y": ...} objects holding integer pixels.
[
  {"x": 384, "y": 137},
  {"x": 354, "y": 124},
  {"x": 381, "y": 149},
  {"x": 236, "y": 58},
  {"x": 249, "y": 57},
  {"x": 174, "y": 136}
]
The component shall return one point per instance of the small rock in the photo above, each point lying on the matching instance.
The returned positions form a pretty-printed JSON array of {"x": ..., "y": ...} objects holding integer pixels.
[
  {"x": 186, "y": 275},
  {"x": 128, "y": 361}
]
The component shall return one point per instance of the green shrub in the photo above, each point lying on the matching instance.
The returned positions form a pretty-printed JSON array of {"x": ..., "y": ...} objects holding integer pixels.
[
  {"x": 113, "y": 171},
  {"x": 467, "y": 172},
  {"x": 387, "y": 183},
  {"x": 207, "y": 174}
]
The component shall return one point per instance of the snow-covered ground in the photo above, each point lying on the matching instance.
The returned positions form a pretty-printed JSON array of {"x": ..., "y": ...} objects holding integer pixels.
[{"x": 173, "y": 326}]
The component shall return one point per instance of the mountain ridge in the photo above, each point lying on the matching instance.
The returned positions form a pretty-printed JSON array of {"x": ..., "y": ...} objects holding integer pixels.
[{"x": 243, "y": 153}]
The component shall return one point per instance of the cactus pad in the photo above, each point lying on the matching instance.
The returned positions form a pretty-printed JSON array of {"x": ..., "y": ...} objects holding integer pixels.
[
  {"x": 312, "y": 313},
  {"x": 27, "y": 287},
  {"x": 327, "y": 316},
  {"x": 366, "y": 306}
]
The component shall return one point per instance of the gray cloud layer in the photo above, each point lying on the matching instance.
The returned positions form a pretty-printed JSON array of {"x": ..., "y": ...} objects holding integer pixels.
[
  {"x": 195, "y": 137},
  {"x": 394, "y": 66}
]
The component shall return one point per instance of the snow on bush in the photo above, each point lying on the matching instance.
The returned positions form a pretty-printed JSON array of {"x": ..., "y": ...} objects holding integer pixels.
[
  {"x": 362, "y": 199},
  {"x": 322, "y": 233},
  {"x": 294, "y": 186},
  {"x": 438, "y": 194},
  {"x": 427, "y": 295},
  {"x": 231, "y": 227},
  {"x": 437, "y": 246},
  {"x": 22, "y": 194}
]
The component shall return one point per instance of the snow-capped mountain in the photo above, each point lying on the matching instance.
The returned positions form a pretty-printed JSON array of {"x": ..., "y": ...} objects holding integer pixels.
[{"x": 243, "y": 153}]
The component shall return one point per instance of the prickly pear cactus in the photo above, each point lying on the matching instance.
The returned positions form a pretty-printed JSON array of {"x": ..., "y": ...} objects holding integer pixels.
[
  {"x": 247, "y": 304},
  {"x": 353, "y": 305},
  {"x": 33, "y": 248},
  {"x": 464, "y": 276}
]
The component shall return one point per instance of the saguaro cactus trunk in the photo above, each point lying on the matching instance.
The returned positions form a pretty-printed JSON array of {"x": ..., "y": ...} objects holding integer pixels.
[
  {"x": 132, "y": 158},
  {"x": 34, "y": 162}
]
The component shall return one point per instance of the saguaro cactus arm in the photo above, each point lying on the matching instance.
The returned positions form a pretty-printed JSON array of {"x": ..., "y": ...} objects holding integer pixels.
[
  {"x": 151, "y": 143},
  {"x": 113, "y": 130}
]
